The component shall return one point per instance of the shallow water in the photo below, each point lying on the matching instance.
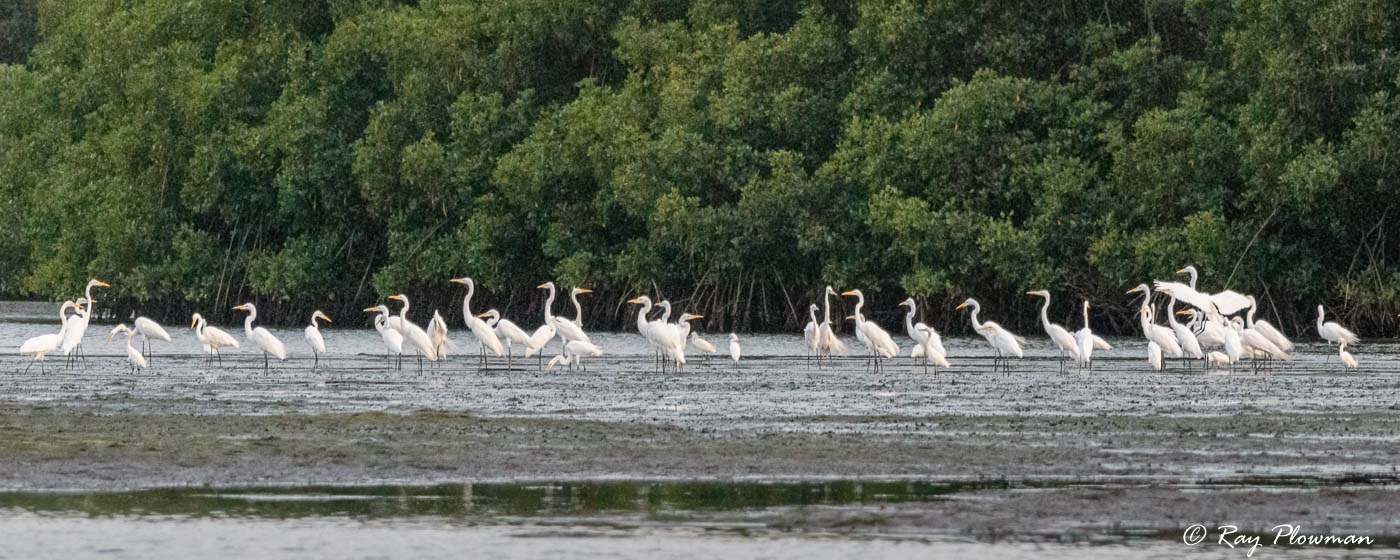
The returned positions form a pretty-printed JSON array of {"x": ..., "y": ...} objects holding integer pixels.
[{"x": 602, "y": 520}]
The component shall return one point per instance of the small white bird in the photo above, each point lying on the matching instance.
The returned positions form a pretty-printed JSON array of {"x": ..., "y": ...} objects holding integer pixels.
[
  {"x": 1069, "y": 347},
  {"x": 314, "y": 339},
  {"x": 261, "y": 337},
  {"x": 929, "y": 352},
  {"x": 485, "y": 335},
  {"x": 1003, "y": 342},
  {"x": 393, "y": 339},
  {"x": 1347, "y": 359},
  {"x": 734, "y": 350},
  {"x": 810, "y": 332},
  {"x": 437, "y": 334},
  {"x": 413, "y": 334},
  {"x": 700, "y": 344},
  {"x": 545, "y": 333},
  {"x": 212, "y": 339},
  {"x": 1332, "y": 332},
  {"x": 132, "y": 354},
  {"x": 1154, "y": 355},
  {"x": 42, "y": 345},
  {"x": 927, "y": 342},
  {"x": 1218, "y": 359},
  {"x": 510, "y": 333},
  {"x": 78, "y": 322},
  {"x": 150, "y": 332},
  {"x": 1088, "y": 342},
  {"x": 828, "y": 342}
]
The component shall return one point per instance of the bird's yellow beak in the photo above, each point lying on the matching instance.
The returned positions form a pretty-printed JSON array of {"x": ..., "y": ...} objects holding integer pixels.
[
  {"x": 103, "y": 284},
  {"x": 1032, "y": 293},
  {"x": 327, "y": 318},
  {"x": 396, "y": 297},
  {"x": 848, "y": 293},
  {"x": 193, "y": 323},
  {"x": 458, "y": 280},
  {"x": 850, "y": 317},
  {"x": 368, "y": 309},
  {"x": 634, "y": 300},
  {"x": 697, "y": 316},
  {"x": 542, "y": 285},
  {"x": 483, "y": 314},
  {"x": 238, "y": 308},
  {"x": 1183, "y": 312},
  {"x": 585, "y": 291},
  {"x": 1131, "y": 291},
  {"x": 1182, "y": 271},
  {"x": 960, "y": 306}
]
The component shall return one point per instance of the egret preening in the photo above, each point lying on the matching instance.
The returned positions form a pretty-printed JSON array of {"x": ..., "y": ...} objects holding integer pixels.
[
  {"x": 437, "y": 334},
  {"x": 827, "y": 336},
  {"x": 78, "y": 322},
  {"x": 414, "y": 335},
  {"x": 133, "y": 356},
  {"x": 1267, "y": 329},
  {"x": 734, "y": 351},
  {"x": 1069, "y": 347},
  {"x": 150, "y": 332},
  {"x": 393, "y": 339},
  {"x": 484, "y": 334},
  {"x": 42, "y": 345},
  {"x": 1332, "y": 332},
  {"x": 1003, "y": 342},
  {"x": 213, "y": 339},
  {"x": 314, "y": 339},
  {"x": 1348, "y": 361},
  {"x": 261, "y": 337},
  {"x": 927, "y": 343}
]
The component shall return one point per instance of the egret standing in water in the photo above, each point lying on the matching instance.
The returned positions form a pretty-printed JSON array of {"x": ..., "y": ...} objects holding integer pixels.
[
  {"x": 509, "y": 333},
  {"x": 314, "y": 339},
  {"x": 1333, "y": 332},
  {"x": 1089, "y": 342},
  {"x": 1003, "y": 342},
  {"x": 211, "y": 338},
  {"x": 42, "y": 345},
  {"x": 734, "y": 351},
  {"x": 261, "y": 337},
  {"x": 414, "y": 334},
  {"x": 829, "y": 342},
  {"x": 78, "y": 322},
  {"x": 1068, "y": 346},
  {"x": 133, "y": 356},
  {"x": 393, "y": 339},
  {"x": 150, "y": 332},
  {"x": 484, "y": 334},
  {"x": 927, "y": 342}
]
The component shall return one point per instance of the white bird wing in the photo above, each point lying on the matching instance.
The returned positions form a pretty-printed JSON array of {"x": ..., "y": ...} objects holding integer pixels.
[
  {"x": 41, "y": 344},
  {"x": 539, "y": 339},
  {"x": 77, "y": 327},
  {"x": 916, "y": 351},
  {"x": 1230, "y": 302},
  {"x": 269, "y": 343},
  {"x": 569, "y": 330},
  {"x": 150, "y": 329},
  {"x": 1274, "y": 335},
  {"x": 582, "y": 348},
  {"x": 314, "y": 339},
  {"x": 393, "y": 340},
  {"x": 934, "y": 340},
  {"x": 512, "y": 332},
  {"x": 486, "y": 335},
  {"x": 216, "y": 337}
]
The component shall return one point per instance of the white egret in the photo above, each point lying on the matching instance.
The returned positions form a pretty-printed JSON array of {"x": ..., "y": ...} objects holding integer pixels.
[
  {"x": 668, "y": 336},
  {"x": 1234, "y": 347},
  {"x": 882, "y": 345},
  {"x": 1058, "y": 335},
  {"x": 314, "y": 338},
  {"x": 150, "y": 332},
  {"x": 1227, "y": 302},
  {"x": 577, "y": 350},
  {"x": 78, "y": 322},
  {"x": 1332, "y": 332},
  {"x": 1154, "y": 356},
  {"x": 213, "y": 339},
  {"x": 696, "y": 341},
  {"x": 42, "y": 345},
  {"x": 133, "y": 356},
  {"x": 927, "y": 343},
  {"x": 829, "y": 342},
  {"x": 1347, "y": 359},
  {"x": 644, "y": 327},
  {"x": 393, "y": 339},
  {"x": 414, "y": 335},
  {"x": 1190, "y": 345},
  {"x": 261, "y": 337},
  {"x": 1163, "y": 336},
  {"x": 1267, "y": 329},
  {"x": 734, "y": 351},
  {"x": 1218, "y": 359},
  {"x": 437, "y": 334},
  {"x": 1002, "y": 341},
  {"x": 1256, "y": 345},
  {"x": 701, "y": 344},
  {"x": 809, "y": 332},
  {"x": 1210, "y": 333},
  {"x": 567, "y": 329},
  {"x": 545, "y": 333},
  {"x": 509, "y": 333},
  {"x": 484, "y": 334},
  {"x": 1088, "y": 342}
]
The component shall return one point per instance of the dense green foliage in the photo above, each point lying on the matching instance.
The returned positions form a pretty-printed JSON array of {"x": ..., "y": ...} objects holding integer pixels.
[{"x": 735, "y": 155}]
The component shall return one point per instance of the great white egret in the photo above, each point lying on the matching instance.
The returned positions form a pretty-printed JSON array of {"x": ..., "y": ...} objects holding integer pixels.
[
  {"x": 1226, "y": 303},
  {"x": 414, "y": 335},
  {"x": 1266, "y": 329},
  {"x": 484, "y": 334},
  {"x": 545, "y": 333},
  {"x": 696, "y": 341},
  {"x": 1003, "y": 342},
  {"x": 133, "y": 356},
  {"x": 261, "y": 337},
  {"x": 42, "y": 345},
  {"x": 437, "y": 334},
  {"x": 1210, "y": 333},
  {"x": 643, "y": 325},
  {"x": 668, "y": 336},
  {"x": 577, "y": 350},
  {"x": 809, "y": 332},
  {"x": 150, "y": 332},
  {"x": 509, "y": 333},
  {"x": 314, "y": 339},
  {"x": 882, "y": 345},
  {"x": 1256, "y": 345},
  {"x": 1058, "y": 335},
  {"x": 1163, "y": 336},
  {"x": 393, "y": 339},
  {"x": 1088, "y": 342},
  {"x": 213, "y": 339},
  {"x": 927, "y": 343},
  {"x": 1190, "y": 346},
  {"x": 1154, "y": 356},
  {"x": 78, "y": 322},
  {"x": 572, "y": 329},
  {"x": 1347, "y": 359},
  {"x": 734, "y": 351},
  {"x": 829, "y": 342},
  {"x": 1333, "y": 332}
]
